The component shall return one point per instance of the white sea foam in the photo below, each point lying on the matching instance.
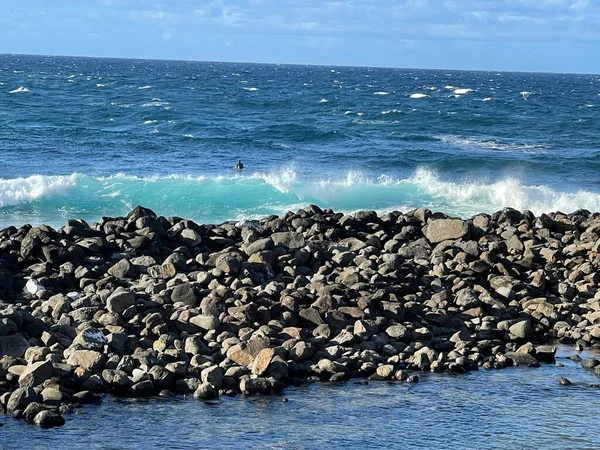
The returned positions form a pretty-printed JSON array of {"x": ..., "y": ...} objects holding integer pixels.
[
  {"x": 144, "y": 87},
  {"x": 148, "y": 122},
  {"x": 471, "y": 198},
  {"x": 189, "y": 136},
  {"x": 323, "y": 100},
  {"x": 18, "y": 90},
  {"x": 100, "y": 85},
  {"x": 490, "y": 144},
  {"x": 381, "y": 93},
  {"x": 347, "y": 112},
  {"x": 417, "y": 95},
  {"x": 462, "y": 91},
  {"x": 525, "y": 94},
  {"x": 251, "y": 89},
  {"x": 449, "y": 87},
  {"x": 487, "y": 99},
  {"x": 155, "y": 104},
  {"x": 24, "y": 190}
]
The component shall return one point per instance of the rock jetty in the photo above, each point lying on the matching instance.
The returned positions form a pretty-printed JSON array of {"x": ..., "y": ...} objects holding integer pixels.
[{"x": 145, "y": 305}]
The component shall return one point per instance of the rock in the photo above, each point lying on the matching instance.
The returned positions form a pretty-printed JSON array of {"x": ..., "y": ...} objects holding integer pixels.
[
  {"x": 143, "y": 388},
  {"x": 399, "y": 332},
  {"x": 123, "y": 269},
  {"x": 446, "y": 229},
  {"x": 91, "y": 339},
  {"x": 20, "y": 398},
  {"x": 161, "y": 377},
  {"x": 262, "y": 361},
  {"x": 86, "y": 397},
  {"x": 229, "y": 263},
  {"x": 48, "y": 419},
  {"x": 213, "y": 376},
  {"x": 205, "y": 322},
  {"x": 289, "y": 239},
  {"x": 545, "y": 353},
  {"x": 253, "y": 386},
  {"x": 245, "y": 352},
  {"x": 260, "y": 245},
  {"x": 119, "y": 301},
  {"x": 32, "y": 287},
  {"x": 521, "y": 330},
  {"x": 522, "y": 359},
  {"x": 185, "y": 293},
  {"x": 14, "y": 346},
  {"x": 35, "y": 374},
  {"x": 205, "y": 392},
  {"x": 564, "y": 381},
  {"x": 301, "y": 351},
  {"x": 89, "y": 360},
  {"x": 590, "y": 363}
]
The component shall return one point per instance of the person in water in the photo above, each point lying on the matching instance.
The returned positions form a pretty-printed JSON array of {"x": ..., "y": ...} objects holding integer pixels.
[{"x": 239, "y": 165}]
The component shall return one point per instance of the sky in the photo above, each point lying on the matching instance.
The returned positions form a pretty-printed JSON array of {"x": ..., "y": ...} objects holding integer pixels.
[{"x": 523, "y": 35}]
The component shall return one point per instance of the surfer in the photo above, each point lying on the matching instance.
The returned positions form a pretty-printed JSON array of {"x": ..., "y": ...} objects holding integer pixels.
[{"x": 239, "y": 165}]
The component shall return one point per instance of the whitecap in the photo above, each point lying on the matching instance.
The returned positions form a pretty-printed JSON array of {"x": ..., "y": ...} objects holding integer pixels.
[
  {"x": 462, "y": 91},
  {"x": 147, "y": 122},
  {"x": 251, "y": 89},
  {"x": 100, "y": 85},
  {"x": 487, "y": 99},
  {"x": 189, "y": 136},
  {"x": 417, "y": 95},
  {"x": 525, "y": 94},
  {"x": 15, "y": 191},
  {"x": 18, "y": 90},
  {"x": 491, "y": 144},
  {"x": 323, "y": 100},
  {"x": 144, "y": 87},
  {"x": 347, "y": 112},
  {"x": 381, "y": 93}
]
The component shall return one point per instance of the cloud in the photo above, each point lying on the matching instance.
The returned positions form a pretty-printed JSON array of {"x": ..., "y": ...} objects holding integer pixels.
[{"x": 156, "y": 16}]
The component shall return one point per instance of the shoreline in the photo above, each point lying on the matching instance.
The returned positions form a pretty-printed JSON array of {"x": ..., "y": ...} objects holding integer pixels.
[{"x": 145, "y": 305}]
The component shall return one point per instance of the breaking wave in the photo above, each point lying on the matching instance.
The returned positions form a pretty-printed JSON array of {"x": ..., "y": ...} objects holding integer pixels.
[{"x": 212, "y": 199}]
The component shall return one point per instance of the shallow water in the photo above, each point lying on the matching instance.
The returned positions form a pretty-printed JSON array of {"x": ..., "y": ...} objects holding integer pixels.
[{"x": 515, "y": 408}]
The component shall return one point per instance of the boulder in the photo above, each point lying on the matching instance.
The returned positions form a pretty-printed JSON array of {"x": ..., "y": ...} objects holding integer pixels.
[
  {"x": 445, "y": 229},
  {"x": 123, "y": 269},
  {"x": 185, "y": 293},
  {"x": 90, "y": 360},
  {"x": 14, "y": 346},
  {"x": 35, "y": 374},
  {"x": 120, "y": 300},
  {"x": 48, "y": 419}
]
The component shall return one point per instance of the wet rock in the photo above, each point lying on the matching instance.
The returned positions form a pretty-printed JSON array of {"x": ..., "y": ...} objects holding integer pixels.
[
  {"x": 522, "y": 359},
  {"x": 564, "y": 381}
]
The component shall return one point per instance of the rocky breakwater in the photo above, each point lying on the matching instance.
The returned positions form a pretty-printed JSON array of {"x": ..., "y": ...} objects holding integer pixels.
[{"x": 146, "y": 305}]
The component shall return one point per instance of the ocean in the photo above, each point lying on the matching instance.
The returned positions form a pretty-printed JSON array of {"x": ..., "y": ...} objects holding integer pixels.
[{"x": 87, "y": 138}]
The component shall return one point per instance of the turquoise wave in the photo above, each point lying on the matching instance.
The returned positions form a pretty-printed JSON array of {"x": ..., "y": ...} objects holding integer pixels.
[{"x": 54, "y": 199}]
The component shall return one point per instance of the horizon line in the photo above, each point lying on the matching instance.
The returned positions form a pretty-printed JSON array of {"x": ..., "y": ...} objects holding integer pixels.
[{"x": 358, "y": 66}]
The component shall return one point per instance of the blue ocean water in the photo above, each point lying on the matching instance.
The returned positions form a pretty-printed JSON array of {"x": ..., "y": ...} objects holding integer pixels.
[{"x": 84, "y": 137}]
